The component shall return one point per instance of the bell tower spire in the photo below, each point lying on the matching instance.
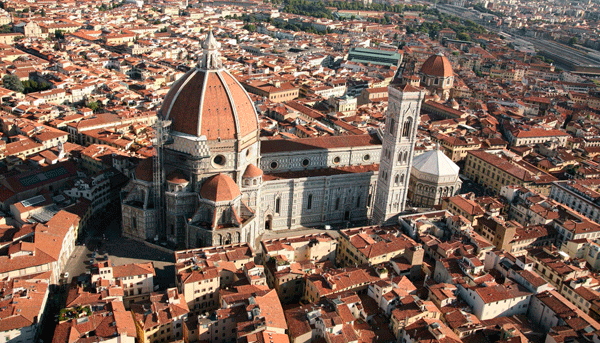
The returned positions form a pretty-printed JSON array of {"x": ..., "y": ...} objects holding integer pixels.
[
  {"x": 211, "y": 57},
  {"x": 399, "y": 138}
]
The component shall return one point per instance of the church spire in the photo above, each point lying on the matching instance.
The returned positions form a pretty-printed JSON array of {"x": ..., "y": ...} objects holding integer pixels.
[{"x": 211, "y": 58}]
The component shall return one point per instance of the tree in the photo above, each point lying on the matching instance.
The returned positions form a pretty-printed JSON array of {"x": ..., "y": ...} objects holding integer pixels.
[
  {"x": 572, "y": 41},
  {"x": 59, "y": 34},
  {"x": 250, "y": 27},
  {"x": 13, "y": 83},
  {"x": 43, "y": 12},
  {"x": 93, "y": 105}
]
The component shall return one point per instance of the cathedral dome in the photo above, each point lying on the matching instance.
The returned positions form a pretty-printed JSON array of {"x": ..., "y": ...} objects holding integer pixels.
[
  {"x": 437, "y": 65},
  {"x": 220, "y": 187},
  {"x": 435, "y": 163},
  {"x": 208, "y": 101}
]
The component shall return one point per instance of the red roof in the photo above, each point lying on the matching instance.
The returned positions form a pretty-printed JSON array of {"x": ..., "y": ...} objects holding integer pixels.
[
  {"x": 252, "y": 171},
  {"x": 210, "y": 103},
  {"x": 220, "y": 187},
  {"x": 437, "y": 65}
]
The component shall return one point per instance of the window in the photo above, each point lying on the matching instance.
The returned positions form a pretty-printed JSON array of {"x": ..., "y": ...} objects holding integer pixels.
[
  {"x": 219, "y": 161},
  {"x": 309, "y": 202},
  {"x": 277, "y": 205},
  {"x": 305, "y": 162},
  {"x": 273, "y": 165},
  {"x": 407, "y": 127},
  {"x": 337, "y": 204}
]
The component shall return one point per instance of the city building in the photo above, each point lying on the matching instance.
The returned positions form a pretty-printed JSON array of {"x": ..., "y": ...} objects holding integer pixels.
[
  {"x": 23, "y": 304},
  {"x": 161, "y": 318},
  {"x": 375, "y": 56}
]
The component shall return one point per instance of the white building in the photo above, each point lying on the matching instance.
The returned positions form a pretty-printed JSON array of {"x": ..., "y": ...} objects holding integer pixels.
[
  {"x": 137, "y": 279},
  {"x": 432, "y": 177},
  {"x": 496, "y": 300}
]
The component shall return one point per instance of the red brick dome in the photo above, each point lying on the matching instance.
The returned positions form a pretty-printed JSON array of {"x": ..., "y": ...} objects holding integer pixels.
[
  {"x": 209, "y": 101},
  {"x": 220, "y": 187},
  {"x": 252, "y": 171},
  {"x": 177, "y": 177},
  {"x": 437, "y": 65}
]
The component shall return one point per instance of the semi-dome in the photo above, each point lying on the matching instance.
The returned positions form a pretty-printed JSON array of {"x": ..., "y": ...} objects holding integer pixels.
[
  {"x": 209, "y": 101},
  {"x": 435, "y": 163},
  {"x": 252, "y": 171},
  {"x": 177, "y": 177},
  {"x": 220, "y": 187},
  {"x": 437, "y": 65}
]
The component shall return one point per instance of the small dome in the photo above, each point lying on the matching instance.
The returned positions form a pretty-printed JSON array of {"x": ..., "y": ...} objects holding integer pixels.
[
  {"x": 437, "y": 65},
  {"x": 177, "y": 177},
  {"x": 220, "y": 187},
  {"x": 436, "y": 163},
  {"x": 144, "y": 170},
  {"x": 252, "y": 171}
]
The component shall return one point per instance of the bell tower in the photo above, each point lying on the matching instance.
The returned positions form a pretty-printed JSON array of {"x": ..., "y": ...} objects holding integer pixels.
[{"x": 399, "y": 138}]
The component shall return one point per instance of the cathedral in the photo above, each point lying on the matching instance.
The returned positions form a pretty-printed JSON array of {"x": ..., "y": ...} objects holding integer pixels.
[{"x": 213, "y": 181}]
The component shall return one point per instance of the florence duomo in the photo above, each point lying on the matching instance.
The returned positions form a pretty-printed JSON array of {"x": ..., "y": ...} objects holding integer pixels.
[
  {"x": 291, "y": 171},
  {"x": 223, "y": 185}
]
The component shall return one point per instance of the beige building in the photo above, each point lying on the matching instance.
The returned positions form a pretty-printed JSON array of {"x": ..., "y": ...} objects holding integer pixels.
[
  {"x": 161, "y": 318},
  {"x": 316, "y": 247},
  {"x": 136, "y": 279},
  {"x": 199, "y": 286},
  {"x": 366, "y": 246}
]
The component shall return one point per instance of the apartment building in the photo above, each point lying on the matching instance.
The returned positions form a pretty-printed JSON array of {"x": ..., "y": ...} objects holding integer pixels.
[
  {"x": 375, "y": 245},
  {"x": 199, "y": 284},
  {"x": 161, "y": 318},
  {"x": 491, "y": 301},
  {"x": 317, "y": 247},
  {"x": 137, "y": 279},
  {"x": 578, "y": 195},
  {"x": 498, "y": 169},
  {"x": 23, "y": 304}
]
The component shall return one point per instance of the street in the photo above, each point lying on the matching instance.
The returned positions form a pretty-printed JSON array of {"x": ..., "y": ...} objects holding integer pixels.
[{"x": 120, "y": 251}]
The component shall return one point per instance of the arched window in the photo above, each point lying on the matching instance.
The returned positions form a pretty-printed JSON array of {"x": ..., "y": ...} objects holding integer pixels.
[
  {"x": 358, "y": 202},
  {"x": 405, "y": 156},
  {"x": 402, "y": 178},
  {"x": 309, "y": 202},
  {"x": 397, "y": 180},
  {"x": 392, "y": 125},
  {"x": 337, "y": 204},
  {"x": 277, "y": 205},
  {"x": 407, "y": 127}
]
